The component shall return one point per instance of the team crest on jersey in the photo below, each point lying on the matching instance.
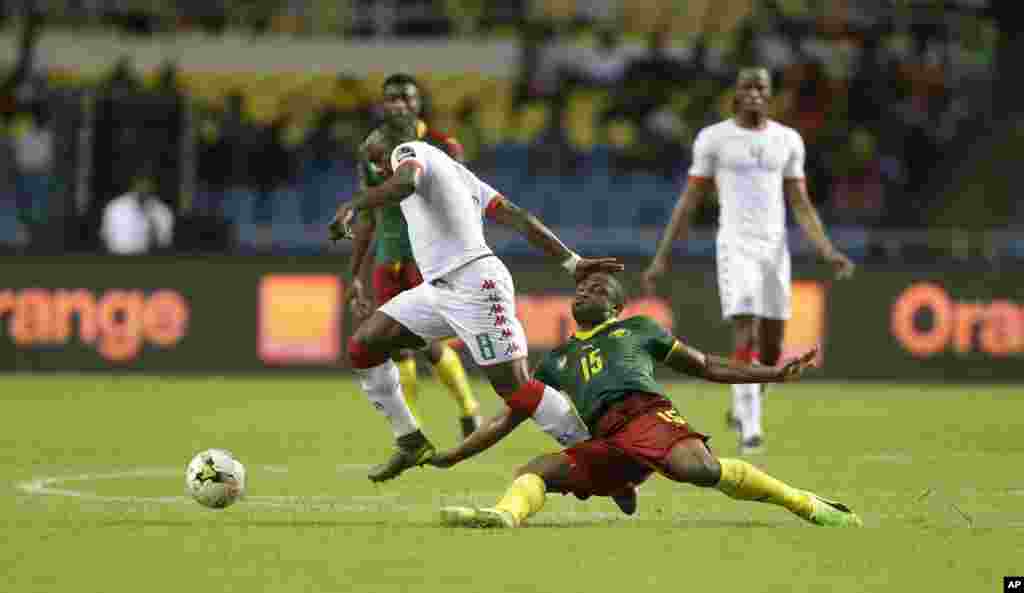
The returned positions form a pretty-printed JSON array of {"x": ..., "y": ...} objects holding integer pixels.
[
  {"x": 619, "y": 333},
  {"x": 562, "y": 362},
  {"x": 404, "y": 152}
]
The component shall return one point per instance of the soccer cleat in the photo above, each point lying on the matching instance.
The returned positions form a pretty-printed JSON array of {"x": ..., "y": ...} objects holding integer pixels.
[
  {"x": 413, "y": 450},
  {"x": 752, "y": 446},
  {"x": 829, "y": 513},
  {"x": 469, "y": 425},
  {"x": 469, "y": 517},
  {"x": 626, "y": 500}
]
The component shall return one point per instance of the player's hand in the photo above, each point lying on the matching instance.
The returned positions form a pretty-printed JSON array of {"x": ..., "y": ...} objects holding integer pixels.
[
  {"x": 843, "y": 266},
  {"x": 795, "y": 368},
  {"x": 444, "y": 459},
  {"x": 341, "y": 225},
  {"x": 587, "y": 266},
  {"x": 655, "y": 270}
]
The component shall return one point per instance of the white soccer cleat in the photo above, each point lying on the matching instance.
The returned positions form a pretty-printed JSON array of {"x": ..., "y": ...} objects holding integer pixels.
[{"x": 455, "y": 516}]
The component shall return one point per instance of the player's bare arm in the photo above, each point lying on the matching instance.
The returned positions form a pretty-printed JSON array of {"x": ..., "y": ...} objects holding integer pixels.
[
  {"x": 483, "y": 438},
  {"x": 399, "y": 186},
  {"x": 677, "y": 229},
  {"x": 718, "y": 369},
  {"x": 360, "y": 263},
  {"x": 807, "y": 217},
  {"x": 504, "y": 212}
]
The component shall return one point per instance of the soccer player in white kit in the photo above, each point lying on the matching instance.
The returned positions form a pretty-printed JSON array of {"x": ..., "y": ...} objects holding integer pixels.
[
  {"x": 756, "y": 164},
  {"x": 466, "y": 291}
]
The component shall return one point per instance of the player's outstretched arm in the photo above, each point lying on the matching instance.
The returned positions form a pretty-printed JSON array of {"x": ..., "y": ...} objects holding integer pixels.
[
  {"x": 677, "y": 229},
  {"x": 807, "y": 217},
  {"x": 482, "y": 439},
  {"x": 693, "y": 362},
  {"x": 399, "y": 186},
  {"x": 504, "y": 212}
]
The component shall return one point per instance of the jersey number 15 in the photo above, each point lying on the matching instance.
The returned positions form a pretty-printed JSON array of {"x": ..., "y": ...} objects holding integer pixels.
[{"x": 591, "y": 364}]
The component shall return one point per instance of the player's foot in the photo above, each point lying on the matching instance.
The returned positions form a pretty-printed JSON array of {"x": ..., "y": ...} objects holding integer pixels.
[
  {"x": 829, "y": 513},
  {"x": 626, "y": 500},
  {"x": 732, "y": 420},
  {"x": 413, "y": 449},
  {"x": 752, "y": 446},
  {"x": 469, "y": 424},
  {"x": 469, "y": 517}
]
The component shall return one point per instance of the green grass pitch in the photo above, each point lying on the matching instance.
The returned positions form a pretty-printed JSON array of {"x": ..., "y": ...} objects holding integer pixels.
[{"x": 93, "y": 495}]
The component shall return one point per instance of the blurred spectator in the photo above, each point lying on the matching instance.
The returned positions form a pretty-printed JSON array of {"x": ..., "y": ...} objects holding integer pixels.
[
  {"x": 540, "y": 68},
  {"x": 33, "y": 151},
  {"x": 605, "y": 65},
  {"x": 858, "y": 194},
  {"x": 137, "y": 222}
]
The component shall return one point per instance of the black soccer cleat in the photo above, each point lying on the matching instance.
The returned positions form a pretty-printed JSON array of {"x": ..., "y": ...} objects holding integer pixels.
[
  {"x": 413, "y": 450},
  {"x": 752, "y": 446},
  {"x": 626, "y": 500}
]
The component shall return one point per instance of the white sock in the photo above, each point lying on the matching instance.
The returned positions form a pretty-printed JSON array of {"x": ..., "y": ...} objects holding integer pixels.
[
  {"x": 384, "y": 389},
  {"x": 751, "y": 418},
  {"x": 557, "y": 417},
  {"x": 739, "y": 403}
]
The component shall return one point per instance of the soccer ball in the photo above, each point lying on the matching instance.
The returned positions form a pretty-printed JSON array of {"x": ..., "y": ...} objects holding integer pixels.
[{"x": 215, "y": 479}]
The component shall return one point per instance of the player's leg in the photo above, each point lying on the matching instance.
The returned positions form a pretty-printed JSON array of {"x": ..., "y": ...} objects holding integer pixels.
[
  {"x": 524, "y": 497},
  {"x": 690, "y": 461},
  {"x": 406, "y": 321},
  {"x": 740, "y": 288},
  {"x": 449, "y": 369},
  {"x": 747, "y": 397},
  {"x": 387, "y": 284}
]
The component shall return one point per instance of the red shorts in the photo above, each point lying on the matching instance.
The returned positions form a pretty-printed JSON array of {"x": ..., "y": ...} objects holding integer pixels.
[
  {"x": 632, "y": 440},
  {"x": 392, "y": 278}
]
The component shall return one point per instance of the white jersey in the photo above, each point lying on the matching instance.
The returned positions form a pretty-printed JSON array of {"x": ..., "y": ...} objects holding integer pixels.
[
  {"x": 748, "y": 167},
  {"x": 445, "y": 214}
]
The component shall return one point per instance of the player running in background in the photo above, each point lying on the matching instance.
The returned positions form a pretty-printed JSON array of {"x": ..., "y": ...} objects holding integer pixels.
[
  {"x": 382, "y": 255},
  {"x": 467, "y": 291},
  {"x": 607, "y": 369},
  {"x": 753, "y": 162}
]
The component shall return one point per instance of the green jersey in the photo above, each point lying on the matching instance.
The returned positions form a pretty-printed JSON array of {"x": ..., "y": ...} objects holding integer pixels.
[
  {"x": 392, "y": 235},
  {"x": 598, "y": 367}
]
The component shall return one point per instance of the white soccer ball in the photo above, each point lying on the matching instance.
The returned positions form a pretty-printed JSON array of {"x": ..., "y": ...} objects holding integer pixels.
[{"x": 215, "y": 479}]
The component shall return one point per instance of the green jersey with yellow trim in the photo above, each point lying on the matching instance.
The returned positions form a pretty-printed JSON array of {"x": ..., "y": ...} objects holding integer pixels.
[{"x": 598, "y": 367}]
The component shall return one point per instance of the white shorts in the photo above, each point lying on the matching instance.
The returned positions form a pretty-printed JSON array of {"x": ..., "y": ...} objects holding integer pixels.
[
  {"x": 753, "y": 279},
  {"x": 476, "y": 303}
]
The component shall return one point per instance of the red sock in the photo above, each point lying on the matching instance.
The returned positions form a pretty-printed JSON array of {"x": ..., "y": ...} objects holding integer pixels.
[
  {"x": 747, "y": 355},
  {"x": 362, "y": 357},
  {"x": 527, "y": 397}
]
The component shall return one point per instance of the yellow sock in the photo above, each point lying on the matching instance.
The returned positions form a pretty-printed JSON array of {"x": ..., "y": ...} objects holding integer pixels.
[
  {"x": 410, "y": 388},
  {"x": 524, "y": 497},
  {"x": 450, "y": 372},
  {"x": 742, "y": 481}
]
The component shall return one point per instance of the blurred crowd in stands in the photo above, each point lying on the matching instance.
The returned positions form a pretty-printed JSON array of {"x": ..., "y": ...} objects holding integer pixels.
[{"x": 882, "y": 102}]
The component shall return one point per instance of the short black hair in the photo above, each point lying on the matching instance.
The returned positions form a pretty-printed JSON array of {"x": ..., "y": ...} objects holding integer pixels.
[{"x": 402, "y": 79}]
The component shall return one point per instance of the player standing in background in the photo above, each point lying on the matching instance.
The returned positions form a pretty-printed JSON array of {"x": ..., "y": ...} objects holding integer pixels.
[
  {"x": 390, "y": 266},
  {"x": 756, "y": 164},
  {"x": 607, "y": 369},
  {"x": 467, "y": 291}
]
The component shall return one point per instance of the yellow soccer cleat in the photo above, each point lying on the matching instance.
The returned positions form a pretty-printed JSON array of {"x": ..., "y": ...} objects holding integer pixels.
[
  {"x": 469, "y": 517},
  {"x": 829, "y": 513}
]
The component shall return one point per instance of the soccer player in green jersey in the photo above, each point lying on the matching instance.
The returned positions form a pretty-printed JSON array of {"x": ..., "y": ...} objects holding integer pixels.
[
  {"x": 389, "y": 265},
  {"x": 607, "y": 370}
]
